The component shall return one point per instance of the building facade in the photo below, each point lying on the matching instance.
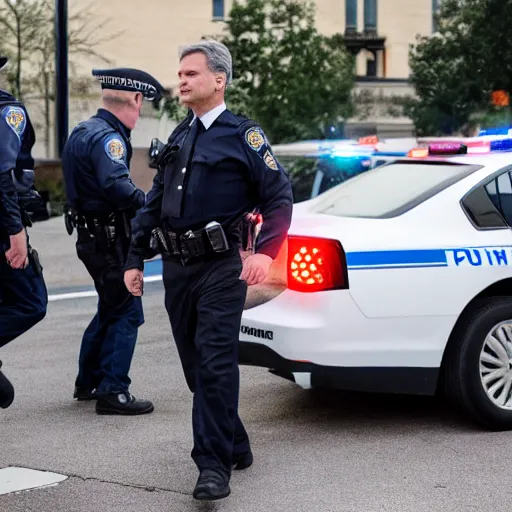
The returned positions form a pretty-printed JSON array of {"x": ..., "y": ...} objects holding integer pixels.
[{"x": 147, "y": 35}]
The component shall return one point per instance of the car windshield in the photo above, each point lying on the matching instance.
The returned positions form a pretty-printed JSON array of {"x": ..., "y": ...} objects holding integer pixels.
[
  {"x": 390, "y": 190},
  {"x": 311, "y": 176}
]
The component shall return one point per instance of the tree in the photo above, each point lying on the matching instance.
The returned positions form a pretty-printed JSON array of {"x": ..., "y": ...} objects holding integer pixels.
[
  {"x": 287, "y": 77},
  {"x": 455, "y": 71},
  {"x": 28, "y": 38}
]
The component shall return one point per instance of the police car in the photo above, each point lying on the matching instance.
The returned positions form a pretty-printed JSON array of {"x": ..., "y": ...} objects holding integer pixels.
[
  {"x": 399, "y": 280},
  {"x": 315, "y": 166}
]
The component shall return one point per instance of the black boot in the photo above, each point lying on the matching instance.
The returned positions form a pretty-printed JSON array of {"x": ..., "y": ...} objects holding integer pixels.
[
  {"x": 211, "y": 485},
  {"x": 6, "y": 391},
  {"x": 122, "y": 403}
]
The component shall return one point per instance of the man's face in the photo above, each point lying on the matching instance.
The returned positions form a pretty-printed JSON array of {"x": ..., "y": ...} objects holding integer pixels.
[{"x": 197, "y": 82}]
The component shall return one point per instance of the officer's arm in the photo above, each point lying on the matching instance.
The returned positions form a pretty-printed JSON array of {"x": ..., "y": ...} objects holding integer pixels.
[
  {"x": 109, "y": 159},
  {"x": 11, "y": 131},
  {"x": 274, "y": 192},
  {"x": 147, "y": 219}
]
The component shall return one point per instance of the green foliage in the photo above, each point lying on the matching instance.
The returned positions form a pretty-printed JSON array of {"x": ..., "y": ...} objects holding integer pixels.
[
  {"x": 455, "y": 70},
  {"x": 173, "y": 109},
  {"x": 292, "y": 80},
  {"x": 287, "y": 77}
]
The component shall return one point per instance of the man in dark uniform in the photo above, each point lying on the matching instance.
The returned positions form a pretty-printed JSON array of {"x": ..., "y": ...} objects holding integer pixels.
[
  {"x": 215, "y": 168},
  {"x": 102, "y": 199},
  {"x": 23, "y": 295}
]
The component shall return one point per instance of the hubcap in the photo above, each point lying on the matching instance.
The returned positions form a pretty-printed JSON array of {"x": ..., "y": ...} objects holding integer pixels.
[{"x": 496, "y": 365}]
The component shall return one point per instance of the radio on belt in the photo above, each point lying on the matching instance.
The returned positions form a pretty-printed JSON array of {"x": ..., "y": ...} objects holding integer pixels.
[{"x": 216, "y": 236}]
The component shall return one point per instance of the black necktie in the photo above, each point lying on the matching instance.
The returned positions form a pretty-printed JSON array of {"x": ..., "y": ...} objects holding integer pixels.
[{"x": 182, "y": 167}]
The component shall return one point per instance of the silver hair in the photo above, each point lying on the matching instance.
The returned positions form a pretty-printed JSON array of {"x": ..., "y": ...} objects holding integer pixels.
[{"x": 218, "y": 57}]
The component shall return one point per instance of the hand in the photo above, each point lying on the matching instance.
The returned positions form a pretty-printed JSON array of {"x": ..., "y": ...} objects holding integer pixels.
[
  {"x": 134, "y": 281},
  {"x": 17, "y": 255},
  {"x": 256, "y": 268}
]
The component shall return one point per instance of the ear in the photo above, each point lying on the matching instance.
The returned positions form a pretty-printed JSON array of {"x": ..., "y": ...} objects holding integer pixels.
[
  {"x": 220, "y": 81},
  {"x": 138, "y": 98}
]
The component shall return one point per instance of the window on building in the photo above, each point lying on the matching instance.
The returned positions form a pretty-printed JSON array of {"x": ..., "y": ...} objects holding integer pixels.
[
  {"x": 370, "y": 15},
  {"x": 218, "y": 9},
  {"x": 351, "y": 15},
  {"x": 435, "y": 8},
  {"x": 371, "y": 64}
]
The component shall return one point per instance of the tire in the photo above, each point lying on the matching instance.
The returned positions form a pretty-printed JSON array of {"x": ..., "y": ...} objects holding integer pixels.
[{"x": 462, "y": 377}]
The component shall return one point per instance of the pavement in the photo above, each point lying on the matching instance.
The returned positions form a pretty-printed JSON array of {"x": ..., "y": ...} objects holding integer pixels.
[
  {"x": 58, "y": 255},
  {"x": 315, "y": 451}
]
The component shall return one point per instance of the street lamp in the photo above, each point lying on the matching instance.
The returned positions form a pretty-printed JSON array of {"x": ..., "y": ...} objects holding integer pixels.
[{"x": 61, "y": 70}]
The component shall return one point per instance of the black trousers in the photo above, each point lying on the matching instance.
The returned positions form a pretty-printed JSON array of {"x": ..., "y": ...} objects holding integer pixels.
[
  {"x": 205, "y": 301},
  {"x": 23, "y": 298}
]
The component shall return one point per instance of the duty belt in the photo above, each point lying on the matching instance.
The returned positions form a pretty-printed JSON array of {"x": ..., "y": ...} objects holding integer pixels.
[
  {"x": 192, "y": 244},
  {"x": 104, "y": 226}
]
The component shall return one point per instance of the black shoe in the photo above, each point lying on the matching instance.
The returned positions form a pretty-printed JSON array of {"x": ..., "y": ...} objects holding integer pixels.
[
  {"x": 211, "y": 485},
  {"x": 243, "y": 461},
  {"x": 6, "y": 391},
  {"x": 84, "y": 394},
  {"x": 122, "y": 403}
]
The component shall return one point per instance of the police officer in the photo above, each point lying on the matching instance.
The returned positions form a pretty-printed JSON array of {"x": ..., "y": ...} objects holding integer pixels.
[
  {"x": 102, "y": 200},
  {"x": 23, "y": 294},
  {"x": 215, "y": 168}
]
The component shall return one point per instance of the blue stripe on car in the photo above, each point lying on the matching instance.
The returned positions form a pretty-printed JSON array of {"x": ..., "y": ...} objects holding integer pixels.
[
  {"x": 493, "y": 256},
  {"x": 391, "y": 259}
]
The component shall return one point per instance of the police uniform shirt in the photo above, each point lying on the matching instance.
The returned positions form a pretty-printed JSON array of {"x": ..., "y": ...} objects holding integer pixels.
[
  {"x": 232, "y": 171},
  {"x": 95, "y": 163},
  {"x": 13, "y": 126}
]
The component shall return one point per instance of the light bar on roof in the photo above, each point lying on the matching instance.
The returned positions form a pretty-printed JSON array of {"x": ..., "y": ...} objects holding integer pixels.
[
  {"x": 369, "y": 140},
  {"x": 447, "y": 148},
  {"x": 502, "y": 130}
]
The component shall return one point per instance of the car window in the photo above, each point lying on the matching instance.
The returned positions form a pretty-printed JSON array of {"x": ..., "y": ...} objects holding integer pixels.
[
  {"x": 500, "y": 193},
  {"x": 390, "y": 190},
  {"x": 483, "y": 204},
  {"x": 302, "y": 172},
  {"x": 311, "y": 176}
]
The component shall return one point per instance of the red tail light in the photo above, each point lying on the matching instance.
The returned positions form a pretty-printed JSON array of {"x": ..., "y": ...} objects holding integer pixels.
[{"x": 316, "y": 264}]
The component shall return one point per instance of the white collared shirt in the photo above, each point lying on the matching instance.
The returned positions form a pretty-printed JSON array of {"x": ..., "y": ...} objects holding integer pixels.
[{"x": 208, "y": 118}]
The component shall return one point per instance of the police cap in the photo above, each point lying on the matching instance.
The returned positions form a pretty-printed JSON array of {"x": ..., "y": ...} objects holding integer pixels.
[
  {"x": 127, "y": 79},
  {"x": 3, "y": 61}
]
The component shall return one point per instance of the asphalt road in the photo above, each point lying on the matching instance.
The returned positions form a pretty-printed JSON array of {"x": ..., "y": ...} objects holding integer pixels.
[{"x": 314, "y": 451}]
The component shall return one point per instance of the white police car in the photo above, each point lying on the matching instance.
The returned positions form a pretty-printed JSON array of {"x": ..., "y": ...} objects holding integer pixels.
[{"x": 398, "y": 280}]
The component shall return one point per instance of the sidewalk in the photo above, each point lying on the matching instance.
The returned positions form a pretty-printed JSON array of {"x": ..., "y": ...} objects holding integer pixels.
[{"x": 57, "y": 253}]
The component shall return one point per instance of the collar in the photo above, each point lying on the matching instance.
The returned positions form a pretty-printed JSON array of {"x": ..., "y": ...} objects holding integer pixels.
[
  {"x": 6, "y": 95},
  {"x": 209, "y": 118},
  {"x": 114, "y": 121}
]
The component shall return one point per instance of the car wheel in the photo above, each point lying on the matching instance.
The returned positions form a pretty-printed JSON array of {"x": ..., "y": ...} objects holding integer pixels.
[{"x": 478, "y": 366}]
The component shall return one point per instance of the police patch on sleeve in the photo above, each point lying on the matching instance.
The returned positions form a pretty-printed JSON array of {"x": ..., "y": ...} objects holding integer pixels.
[
  {"x": 255, "y": 138},
  {"x": 269, "y": 159},
  {"x": 15, "y": 119},
  {"x": 114, "y": 147}
]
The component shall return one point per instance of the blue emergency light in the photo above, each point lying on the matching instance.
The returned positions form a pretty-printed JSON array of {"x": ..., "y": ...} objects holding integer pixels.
[{"x": 497, "y": 130}]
